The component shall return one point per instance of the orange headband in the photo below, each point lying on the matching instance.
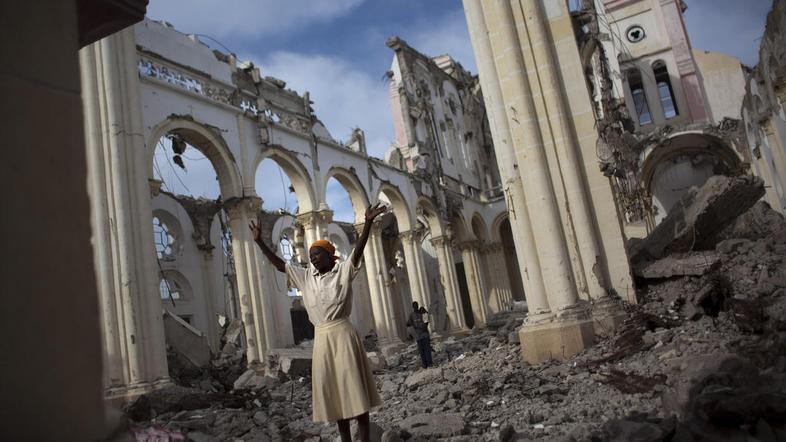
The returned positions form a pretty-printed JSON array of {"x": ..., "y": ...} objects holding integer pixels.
[{"x": 325, "y": 245}]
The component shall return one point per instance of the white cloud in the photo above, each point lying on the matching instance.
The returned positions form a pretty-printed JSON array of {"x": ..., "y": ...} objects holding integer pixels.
[
  {"x": 448, "y": 35},
  {"x": 246, "y": 18},
  {"x": 344, "y": 96}
]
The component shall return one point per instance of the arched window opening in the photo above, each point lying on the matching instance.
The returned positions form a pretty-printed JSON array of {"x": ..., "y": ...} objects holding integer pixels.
[
  {"x": 169, "y": 288},
  {"x": 639, "y": 97},
  {"x": 164, "y": 240},
  {"x": 665, "y": 91}
]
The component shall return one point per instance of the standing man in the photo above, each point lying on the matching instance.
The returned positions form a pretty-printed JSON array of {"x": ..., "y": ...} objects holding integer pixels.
[
  {"x": 342, "y": 384},
  {"x": 421, "y": 334}
]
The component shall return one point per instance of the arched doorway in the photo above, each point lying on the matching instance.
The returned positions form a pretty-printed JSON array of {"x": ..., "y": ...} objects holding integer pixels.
[{"x": 511, "y": 260}]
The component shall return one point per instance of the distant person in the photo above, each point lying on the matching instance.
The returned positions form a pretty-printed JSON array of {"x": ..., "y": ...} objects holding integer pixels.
[
  {"x": 342, "y": 384},
  {"x": 420, "y": 329}
]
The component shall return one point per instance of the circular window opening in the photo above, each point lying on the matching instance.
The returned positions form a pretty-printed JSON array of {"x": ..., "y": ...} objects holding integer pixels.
[
  {"x": 163, "y": 238},
  {"x": 635, "y": 34}
]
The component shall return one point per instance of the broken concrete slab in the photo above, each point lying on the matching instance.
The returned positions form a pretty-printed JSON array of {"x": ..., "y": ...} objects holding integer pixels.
[
  {"x": 691, "y": 264},
  {"x": 428, "y": 425},
  {"x": 186, "y": 340},
  {"x": 293, "y": 362},
  {"x": 232, "y": 331},
  {"x": 376, "y": 360},
  {"x": 695, "y": 221},
  {"x": 253, "y": 379},
  {"x": 757, "y": 222},
  {"x": 423, "y": 377}
]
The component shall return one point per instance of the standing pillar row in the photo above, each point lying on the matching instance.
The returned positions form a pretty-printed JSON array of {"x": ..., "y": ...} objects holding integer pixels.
[
  {"x": 519, "y": 73},
  {"x": 524, "y": 238}
]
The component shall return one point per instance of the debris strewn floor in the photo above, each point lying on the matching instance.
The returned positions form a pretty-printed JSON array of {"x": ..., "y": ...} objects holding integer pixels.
[{"x": 700, "y": 358}]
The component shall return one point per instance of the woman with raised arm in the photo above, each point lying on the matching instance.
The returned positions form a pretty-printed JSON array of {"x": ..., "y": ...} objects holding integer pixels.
[{"x": 342, "y": 384}]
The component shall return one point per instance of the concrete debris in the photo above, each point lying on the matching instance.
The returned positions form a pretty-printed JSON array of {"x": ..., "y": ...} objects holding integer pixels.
[
  {"x": 432, "y": 425},
  {"x": 292, "y": 362},
  {"x": 699, "y": 358},
  {"x": 693, "y": 264},
  {"x": 187, "y": 341},
  {"x": 695, "y": 222}
]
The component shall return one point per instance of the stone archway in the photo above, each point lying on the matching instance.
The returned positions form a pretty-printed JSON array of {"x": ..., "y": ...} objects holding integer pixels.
[
  {"x": 210, "y": 143},
  {"x": 502, "y": 237},
  {"x": 297, "y": 174},
  {"x": 680, "y": 162},
  {"x": 350, "y": 182}
]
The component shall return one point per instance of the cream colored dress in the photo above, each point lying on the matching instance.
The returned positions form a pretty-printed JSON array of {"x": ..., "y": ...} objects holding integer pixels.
[{"x": 342, "y": 384}]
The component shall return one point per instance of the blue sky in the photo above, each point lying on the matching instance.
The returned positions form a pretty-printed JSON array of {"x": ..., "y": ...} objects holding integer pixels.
[{"x": 335, "y": 49}]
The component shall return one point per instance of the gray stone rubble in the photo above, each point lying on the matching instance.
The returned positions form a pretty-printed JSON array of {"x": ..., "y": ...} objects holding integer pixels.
[{"x": 700, "y": 358}]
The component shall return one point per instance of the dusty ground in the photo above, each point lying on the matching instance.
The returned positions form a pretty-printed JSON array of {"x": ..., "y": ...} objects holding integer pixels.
[{"x": 702, "y": 357}]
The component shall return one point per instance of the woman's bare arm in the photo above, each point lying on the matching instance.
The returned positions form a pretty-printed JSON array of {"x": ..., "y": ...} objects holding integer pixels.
[{"x": 277, "y": 262}]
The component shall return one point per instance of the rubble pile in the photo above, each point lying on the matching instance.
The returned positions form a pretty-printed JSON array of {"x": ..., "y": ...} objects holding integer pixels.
[{"x": 701, "y": 357}]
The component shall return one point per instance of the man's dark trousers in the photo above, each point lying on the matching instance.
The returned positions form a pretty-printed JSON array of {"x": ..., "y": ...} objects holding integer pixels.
[{"x": 424, "y": 348}]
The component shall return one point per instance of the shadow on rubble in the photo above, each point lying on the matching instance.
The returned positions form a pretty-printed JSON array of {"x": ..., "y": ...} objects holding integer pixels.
[{"x": 718, "y": 258}]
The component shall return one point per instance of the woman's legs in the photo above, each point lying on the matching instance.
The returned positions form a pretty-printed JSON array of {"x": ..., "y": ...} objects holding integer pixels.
[
  {"x": 364, "y": 429},
  {"x": 343, "y": 430}
]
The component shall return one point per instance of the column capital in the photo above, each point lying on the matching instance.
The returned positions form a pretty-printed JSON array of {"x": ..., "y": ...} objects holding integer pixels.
[
  {"x": 235, "y": 207},
  {"x": 469, "y": 245},
  {"x": 309, "y": 220},
  {"x": 440, "y": 241},
  {"x": 412, "y": 236},
  {"x": 491, "y": 247},
  {"x": 155, "y": 187},
  {"x": 376, "y": 227}
]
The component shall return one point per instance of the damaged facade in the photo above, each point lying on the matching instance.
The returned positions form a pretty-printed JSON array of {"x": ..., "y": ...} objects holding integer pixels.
[
  {"x": 442, "y": 244},
  {"x": 597, "y": 121},
  {"x": 668, "y": 115},
  {"x": 763, "y": 114},
  {"x": 526, "y": 190}
]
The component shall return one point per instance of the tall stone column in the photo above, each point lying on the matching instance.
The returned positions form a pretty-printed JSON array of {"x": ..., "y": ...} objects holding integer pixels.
[
  {"x": 475, "y": 281},
  {"x": 255, "y": 309},
  {"x": 415, "y": 271},
  {"x": 379, "y": 293},
  {"x": 208, "y": 276},
  {"x": 447, "y": 275},
  {"x": 132, "y": 325},
  {"x": 530, "y": 151},
  {"x": 511, "y": 47},
  {"x": 523, "y": 237},
  {"x": 559, "y": 133}
]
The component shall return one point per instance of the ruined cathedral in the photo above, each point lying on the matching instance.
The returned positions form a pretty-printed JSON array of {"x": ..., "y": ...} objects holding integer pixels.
[{"x": 570, "y": 215}]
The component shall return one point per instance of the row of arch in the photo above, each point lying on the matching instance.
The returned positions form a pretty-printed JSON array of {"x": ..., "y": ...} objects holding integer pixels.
[
  {"x": 407, "y": 218},
  {"x": 231, "y": 184}
]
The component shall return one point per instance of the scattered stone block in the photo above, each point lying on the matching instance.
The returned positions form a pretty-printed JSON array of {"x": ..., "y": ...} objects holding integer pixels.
[
  {"x": 696, "y": 220},
  {"x": 691, "y": 264},
  {"x": 423, "y": 377},
  {"x": 436, "y": 425}
]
